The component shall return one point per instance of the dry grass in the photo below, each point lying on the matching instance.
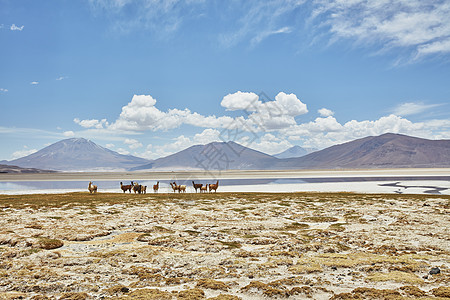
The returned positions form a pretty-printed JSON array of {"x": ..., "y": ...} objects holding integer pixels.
[{"x": 224, "y": 246}]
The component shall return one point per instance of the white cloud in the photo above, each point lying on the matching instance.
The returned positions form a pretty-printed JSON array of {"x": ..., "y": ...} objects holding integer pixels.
[
  {"x": 123, "y": 151},
  {"x": 324, "y": 112},
  {"x": 22, "y": 153},
  {"x": 109, "y": 146},
  {"x": 268, "y": 115},
  {"x": 69, "y": 133},
  {"x": 241, "y": 101},
  {"x": 61, "y": 78},
  {"x": 3, "y": 90},
  {"x": 14, "y": 27},
  {"x": 265, "y": 34},
  {"x": 207, "y": 136},
  {"x": 325, "y": 132},
  {"x": 411, "y": 108},
  {"x": 91, "y": 123},
  {"x": 161, "y": 17},
  {"x": 132, "y": 143},
  {"x": 255, "y": 21},
  {"x": 270, "y": 144},
  {"x": 34, "y": 83},
  {"x": 421, "y": 26}
]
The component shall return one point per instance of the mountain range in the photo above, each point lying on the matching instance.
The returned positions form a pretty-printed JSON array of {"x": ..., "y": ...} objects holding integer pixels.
[{"x": 384, "y": 151}]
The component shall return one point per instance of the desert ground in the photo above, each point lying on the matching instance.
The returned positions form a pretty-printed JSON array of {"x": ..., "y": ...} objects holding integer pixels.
[{"x": 224, "y": 245}]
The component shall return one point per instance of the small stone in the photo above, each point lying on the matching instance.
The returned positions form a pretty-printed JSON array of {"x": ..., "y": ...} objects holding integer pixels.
[
  {"x": 434, "y": 271},
  {"x": 124, "y": 289},
  {"x": 333, "y": 268},
  {"x": 425, "y": 276}
]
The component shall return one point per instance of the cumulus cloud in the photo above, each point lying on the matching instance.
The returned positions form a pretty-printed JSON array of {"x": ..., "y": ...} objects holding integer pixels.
[
  {"x": 324, "y": 112},
  {"x": 3, "y": 90},
  {"x": 34, "y": 82},
  {"x": 132, "y": 143},
  {"x": 325, "y": 132},
  {"x": 207, "y": 136},
  {"x": 142, "y": 114},
  {"x": 91, "y": 123},
  {"x": 267, "y": 125},
  {"x": 271, "y": 144},
  {"x": 241, "y": 101},
  {"x": 265, "y": 115}
]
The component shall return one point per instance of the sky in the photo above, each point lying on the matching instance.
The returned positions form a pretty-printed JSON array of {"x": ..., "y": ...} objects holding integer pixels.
[{"x": 153, "y": 77}]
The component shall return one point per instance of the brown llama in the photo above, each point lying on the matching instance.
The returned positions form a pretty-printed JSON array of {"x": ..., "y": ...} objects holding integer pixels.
[
  {"x": 179, "y": 188},
  {"x": 197, "y": 186},
  {"x": 204, "y": 189},
  {"x": 92, "y": 188},
  {"x": 126, "y": 187},
  {"x": 214, "y": 187},
  {"x": 156, "y": 187},
  {"x": 174, "y": 187},
  {"x": 137, "y": 188}
]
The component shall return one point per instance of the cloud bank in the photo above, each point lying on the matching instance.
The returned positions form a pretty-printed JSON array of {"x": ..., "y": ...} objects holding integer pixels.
[{"x": 270, "y": 126}]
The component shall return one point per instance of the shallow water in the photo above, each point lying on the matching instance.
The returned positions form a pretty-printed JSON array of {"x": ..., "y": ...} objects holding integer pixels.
[{"x": 416, "y": 185}]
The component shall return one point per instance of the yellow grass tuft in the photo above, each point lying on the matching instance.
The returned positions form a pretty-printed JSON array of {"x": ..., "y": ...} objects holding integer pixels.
[{"x": 396, "y": 276}]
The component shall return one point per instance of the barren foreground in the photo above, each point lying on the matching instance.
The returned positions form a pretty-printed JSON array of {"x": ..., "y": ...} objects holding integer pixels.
[{"x": 225, "y": 246}]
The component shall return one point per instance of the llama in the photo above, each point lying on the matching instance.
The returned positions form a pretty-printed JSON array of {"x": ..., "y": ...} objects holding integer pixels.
[
  {"x": 174, "y": 187},
  {"x": 126, "y": 187},
  {"x": 204, "y": 189},
  {"x": 197, "y": 186},
  {"x": 143, "y": 189},
  {"x": 156, "y": 187},
  {"x": 214, "y": 187},
  {"x": 92, "y": 188},
  {"x": 179, "y": 188},
  {"x": 137, "y": 188}
]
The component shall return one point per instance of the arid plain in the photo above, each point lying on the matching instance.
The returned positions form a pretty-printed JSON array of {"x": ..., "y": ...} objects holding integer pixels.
[{"x": 225, "y": 245}]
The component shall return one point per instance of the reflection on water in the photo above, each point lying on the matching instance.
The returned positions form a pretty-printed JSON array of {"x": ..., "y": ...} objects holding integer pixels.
[
  {"x": 114, "y": 186},
  {"x": 402, "y": 187}
]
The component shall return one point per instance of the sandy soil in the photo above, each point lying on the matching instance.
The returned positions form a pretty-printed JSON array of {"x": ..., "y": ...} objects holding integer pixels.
[{"x": 224, "y": 246}]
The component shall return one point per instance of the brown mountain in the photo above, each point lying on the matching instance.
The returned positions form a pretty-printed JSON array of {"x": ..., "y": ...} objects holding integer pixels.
[
  {"x": 385, "y": 151},
  {"x": 78, "y": 154},
  {"x": 213, "y": 156}
]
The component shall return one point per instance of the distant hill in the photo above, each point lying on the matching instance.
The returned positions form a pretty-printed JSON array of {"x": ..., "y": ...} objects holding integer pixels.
[
  {"x": 78, "y": 154},
  {"x": 18, "y": 170},
  {"x": 295, "y": 151},
  {"x": 385, "y": 151},
  {"x": 213, "y": 156}
]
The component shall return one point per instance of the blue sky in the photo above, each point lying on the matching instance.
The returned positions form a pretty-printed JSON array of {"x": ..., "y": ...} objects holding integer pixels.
[{"x": 150, "y": 78}]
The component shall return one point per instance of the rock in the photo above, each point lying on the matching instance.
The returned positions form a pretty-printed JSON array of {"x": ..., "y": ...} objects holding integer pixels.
[
  {"x": 434, "y": 271},
  {"x": 124, "y": 289}
]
